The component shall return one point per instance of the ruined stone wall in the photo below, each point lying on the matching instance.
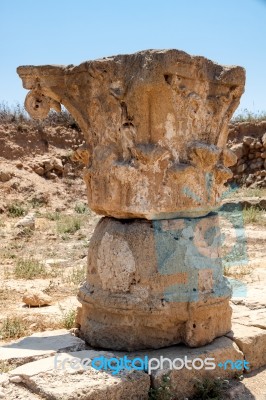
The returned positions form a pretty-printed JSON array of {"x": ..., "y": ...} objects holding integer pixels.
[{"x": 248, "y": 141}]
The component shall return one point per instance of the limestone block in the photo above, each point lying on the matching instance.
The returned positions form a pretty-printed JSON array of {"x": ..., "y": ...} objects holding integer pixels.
[
  {"x": 154, "y": 283},
  {"x": 182, "y": 380},
  {"x": 40, "y": 344},
  {"x": 36, "y": 298},
  {"x": 58, "y": 381},
  {"x": 252, "y": 342},
  {"x": 155, "y": 123}
]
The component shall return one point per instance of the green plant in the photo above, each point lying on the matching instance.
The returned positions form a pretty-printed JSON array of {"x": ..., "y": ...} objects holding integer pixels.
[
  {"x": 5, "y": 367},
  {"x": 28, "y": 268},
  {"x": 16, "y": 210},
  {"x": 76, "y": 276},
  {"x": 210, "y": 389},
  {"x": 68, "y": 224},
  {"x": 37, "y": 202},
  {"x": 53, "y": 216},
  {"x": 81, "y": 208},
  {"x": 163, "y": 392},
  {"x": 68, "y": 318},
  {"x": 253, "y": 215},
  {"x": 12, "y": 327}
]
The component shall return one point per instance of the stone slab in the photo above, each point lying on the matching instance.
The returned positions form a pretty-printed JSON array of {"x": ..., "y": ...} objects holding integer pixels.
[
  {"x": 70, "y": 383},
  {"x": 182, "y": 381},
  {"x": 39, "y": 345},
  {"x": 251, "y": 340},
  {"x": 82, "y": 384},
  {"x": 244, "y": 316},
  {"x": 19, "y": 392}
]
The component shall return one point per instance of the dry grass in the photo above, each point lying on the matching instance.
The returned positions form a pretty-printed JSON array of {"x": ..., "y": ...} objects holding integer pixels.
[
  {"x": 253, "y": 215},
  {"x": 18, "y": 326},
  {"x": 237, "y": 272},
  {"x": 69, "y": 224},
  {"x": 17, "y": 114},
  {"x": 249, "y": 116},
  {"x": 29, "y": 268}
]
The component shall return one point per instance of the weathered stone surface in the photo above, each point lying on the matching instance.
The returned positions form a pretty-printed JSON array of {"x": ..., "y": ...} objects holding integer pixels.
[
  {"x": 19, "y": 392},
  {"x": 36, "y": 298},
  {"x": 41, "y": 344},
  {"x": 239, "y": 150},
  {"x": 66, "y": 382},
  {"x": 154, "y": 283},
  {"x": 4, "y": 378},
  {"x": 252, "y": 342},
  {"x": 155, "y": 124},
  {"x": 245, "y": 316},
  {"x": 182, "y": 380},
  {"x": 27, "y": 222},
  {"x": 5, "y": 175},
  {"x": 264, "y": 140}
]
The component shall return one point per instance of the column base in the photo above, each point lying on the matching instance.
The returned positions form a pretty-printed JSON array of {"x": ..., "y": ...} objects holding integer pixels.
[{"x": 152, "y": 284}]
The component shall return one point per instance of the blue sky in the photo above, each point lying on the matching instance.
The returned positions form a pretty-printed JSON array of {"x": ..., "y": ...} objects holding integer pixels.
[{"x": 40, "y": 32}]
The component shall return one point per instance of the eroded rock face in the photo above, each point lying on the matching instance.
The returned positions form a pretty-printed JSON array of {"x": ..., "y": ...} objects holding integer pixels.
[
  {"x": 154, "y": 283},
  {"x": 155, "y": 124}
]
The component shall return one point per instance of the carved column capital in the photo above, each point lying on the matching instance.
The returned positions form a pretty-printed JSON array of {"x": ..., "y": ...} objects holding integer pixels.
[{"x": 38, "y": 105}]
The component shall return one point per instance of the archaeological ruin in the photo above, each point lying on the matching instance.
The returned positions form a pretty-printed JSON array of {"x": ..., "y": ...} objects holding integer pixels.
[{"x": 156, "y": 125}]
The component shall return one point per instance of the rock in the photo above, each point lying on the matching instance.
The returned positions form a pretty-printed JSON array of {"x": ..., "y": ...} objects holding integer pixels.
[
  {"x": 241, "y": 168},
  {"x": 245, "y": 316},
  {"x": 264, "y": 140},
  {"x": 39, "y": 170},
  {"x": 248, "y": 140},
  {"x": 182, "y": 380},
  {"x": 4, "y": 379},
  {"x": 58, "y": 166},
  {"x": 229, "y": 157},
  {"x": 82, "y": 155},
  {"x": 147, "y": 129},
  {"x": 2, "y": 394},
  {"x": 252, "y": 342},
  {"x": 50, "y": 379},
  {"x": 239, "y": 150},
  {"x": 40, "y": 344},
  {"x": 251, "y": 156},
  {"x": 36, "y": 298},
  {"x": 19, "y": 165},
  {"x": 5, "y": 176},
  {"x": 256, "y": 164},
  {"x": 15, "y": 379},
  {"x": 51, "y": 175},
  {"x": 27, "y": 222},
  {"x": 250, "y": 179},
  {"x": 48, "y": 165},
  {"x": 19, "y": 392},
  {"x": 169, "y": 300}
]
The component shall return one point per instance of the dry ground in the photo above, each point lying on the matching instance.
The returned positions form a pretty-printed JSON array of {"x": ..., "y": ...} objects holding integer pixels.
[{"x": 52, "y": 257}]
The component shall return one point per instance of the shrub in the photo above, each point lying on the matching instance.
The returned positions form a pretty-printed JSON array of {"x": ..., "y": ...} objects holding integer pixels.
[{"x": 29, "y": 269}]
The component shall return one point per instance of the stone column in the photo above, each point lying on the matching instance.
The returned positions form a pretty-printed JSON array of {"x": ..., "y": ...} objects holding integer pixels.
[{"x": 155, "y": 123}]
